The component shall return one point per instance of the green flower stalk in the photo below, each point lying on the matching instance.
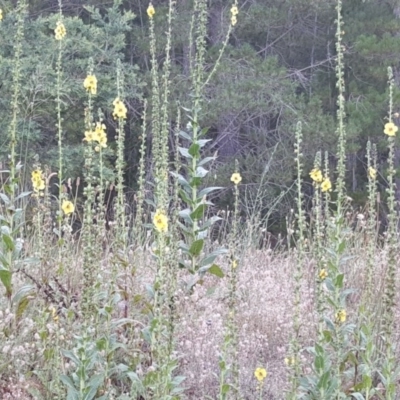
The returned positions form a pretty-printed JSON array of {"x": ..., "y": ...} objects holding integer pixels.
[
  {"x": 391, "y": 239},
  {"x": 341, "y": 114}
]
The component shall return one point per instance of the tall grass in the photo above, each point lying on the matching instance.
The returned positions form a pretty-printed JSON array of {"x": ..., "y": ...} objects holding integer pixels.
[{"x": 146, "y": 305}]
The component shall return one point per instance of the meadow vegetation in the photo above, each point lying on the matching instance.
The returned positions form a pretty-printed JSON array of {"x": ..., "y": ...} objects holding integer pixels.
[{"x": 165, "y": 296}]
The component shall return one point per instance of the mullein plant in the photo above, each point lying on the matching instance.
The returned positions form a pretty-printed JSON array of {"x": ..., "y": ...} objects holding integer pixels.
[
  {"x": 390, "y": 372},
  {"x": 94, "y": 136},
  {"x": 159, "y": 381},
  {"x": 229, "y": 359},
  {"x": 330, "y": 352},
  {"x": 293, "y": 358},
  {"x": 195, "y": 226},
  {"x": 372, "y": 174},
  {"x": 11, "y": 218}
]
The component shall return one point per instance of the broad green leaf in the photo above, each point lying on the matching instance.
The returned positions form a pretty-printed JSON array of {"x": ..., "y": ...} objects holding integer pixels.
[
  {"x": 201, "y": 172},
  {"x": 185, "y": 214},
  {"x": 5, "y": 278},
  {"x": 198, "y": 213},
  {"x": 209, "y": 259},
  {"x": 67, "y": 381},
  {"x": 216, "y": 270},
  {"x": 185, "y": 135},
  {"x": 339, "y": 281},
  {"x": 5, "y": 199},
  {"x": 203, "y": 142},
  {"x": 225, "y": 388},
  {"x": 194, "y": 150},
  {"x": 185, "y": 152},
  {"x": 22, "y": 195},
  {"x": 206, "y": 191},
  {"x": 206, "y": 160},
  {"x": 196, "y": 247}
]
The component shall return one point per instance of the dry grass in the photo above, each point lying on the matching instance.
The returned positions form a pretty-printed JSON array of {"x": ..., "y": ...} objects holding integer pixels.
[{"x": 265, "y": 311}]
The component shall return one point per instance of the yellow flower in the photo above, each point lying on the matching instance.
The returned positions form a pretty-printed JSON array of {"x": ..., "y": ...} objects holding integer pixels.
[
  {"x": 67, "y": 207},
  {"x": 233, "y": 20},
  {"x": 326, "y": 185},
  {"x": 1, "y": 14},
  {"x": 89, "y": 136},
  {"x": 160, "y": 221},
  {"x": 372, "y": 173},
  {"x": 150, "y": 11},
  {"x": 236, "y": 178},
  {"x": 100, "y": 134},
  {"x": 119, "y": 109},
  {"x": 323, "y": 274},
  {"x": 38, "y": 182},
  {"x": 60, "y": 31},
  {"x": 390, "y": 129},
  {"x": 54, "y": 314},
  {"x": 234, "y": 264},
  {"x": 341, "y": 316},
  {"x": 234, "y": 10},
  {"x": 316, "y": 175},
  {"x": 260, "y": 374},
  {"x": 90, "y": 84},
  {"x": 289, "y": 361}
]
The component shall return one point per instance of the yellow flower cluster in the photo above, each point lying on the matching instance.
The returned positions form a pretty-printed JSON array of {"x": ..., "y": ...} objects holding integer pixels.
[
  {"x": 68, "y": 207},
  {"x": 323, "y": 274},
  {"x": 390, "y": 129},
  {"x": 98, "y": 135},
  {"x": 236, "y": 178},
  {"x": 60, "y": 31},
  {"x": 326, "y": 185},
  {"x": 38, "y": 182},
  {"x": 341, "y": 316},
  {"x": 119, "y": 109},
  {"x": 372, "y": 173},
  {"x": 160, "y": 221},
  {"x": 234, "y": 13},
  {"x": 316, "y": 176},
  {"x": 260, "y": 374},
  {"x": 150, "y": 11},
  {"x": 1, "y": 14},
  {"x": 90, "y": 84}
]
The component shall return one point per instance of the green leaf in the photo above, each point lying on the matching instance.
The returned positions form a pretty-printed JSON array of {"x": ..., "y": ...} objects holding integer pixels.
[
  {"x": 225, "y": 388},
  {"x": 5, "y": 199},
  {"x": 216, "y": 270},
  {"x": 339, "y": 281},
  {"x": 201, "y": 172},
  {"x": 203, "y": 142},
  {"x": 342, "y": 247},
  {"x": 5, "y": 278},
  {"x": 184, "y": 197},
  {"x": 196, "y": 247},
  {"x": 185, "y": 135},
  {"x": 206, "y": 160},
  {"x": 67, "y": 381},
  {"x": 194, "y": 150},
  {"x": 198, "y": 212},
  {"x": 185, "y": 214},
  {"x": 22, "y": 195},
  {"x": 209, "y": 259},
  {"x": 206, "y": 191},
  {"x": 195, "y": 181},
  {"x": 185, "y": 152}
]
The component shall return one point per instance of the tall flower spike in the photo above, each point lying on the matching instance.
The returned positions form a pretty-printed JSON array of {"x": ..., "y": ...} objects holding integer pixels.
[
  {"x": 60, "y": 31},
  {"x": 150, "y": 11}
]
